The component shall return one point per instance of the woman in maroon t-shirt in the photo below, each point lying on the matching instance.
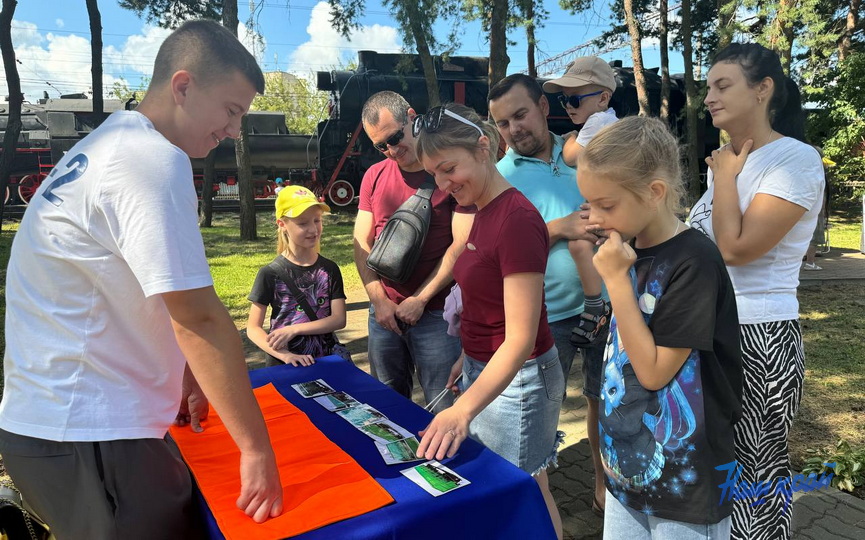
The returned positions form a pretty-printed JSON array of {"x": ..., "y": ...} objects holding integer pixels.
[{"x": 512, "y": 379}]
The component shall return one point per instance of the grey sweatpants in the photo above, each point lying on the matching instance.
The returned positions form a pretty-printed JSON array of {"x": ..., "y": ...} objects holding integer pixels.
[{"x": 108, "y": 490}]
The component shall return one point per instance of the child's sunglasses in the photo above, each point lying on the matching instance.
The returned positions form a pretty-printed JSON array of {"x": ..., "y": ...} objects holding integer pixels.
[
  {"x": 574, "y": 101},
  {"x": 393, "y": 140},
  {"x": 432, "y": 121}
]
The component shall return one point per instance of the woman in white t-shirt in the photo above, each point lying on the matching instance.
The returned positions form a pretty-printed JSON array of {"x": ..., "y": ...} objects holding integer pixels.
[{"x": 760, "y": 208}]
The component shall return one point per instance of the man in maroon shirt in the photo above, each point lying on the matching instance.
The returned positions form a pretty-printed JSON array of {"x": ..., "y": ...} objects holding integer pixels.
[{"x": 406, "y": 329}]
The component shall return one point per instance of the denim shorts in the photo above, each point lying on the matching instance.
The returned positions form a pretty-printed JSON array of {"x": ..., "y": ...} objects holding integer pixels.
[
  {"x": 521, "y": 424},
  {"x": 621, "y": 521}
]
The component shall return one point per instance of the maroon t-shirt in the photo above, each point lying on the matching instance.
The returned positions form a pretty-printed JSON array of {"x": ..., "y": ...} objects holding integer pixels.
[
  {"x": 384, "y": 188},
  {"x": 508, "y": 237}
]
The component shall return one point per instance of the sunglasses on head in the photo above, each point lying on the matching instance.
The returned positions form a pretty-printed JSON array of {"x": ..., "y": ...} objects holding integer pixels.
[
  {"x": 393, "y": 140},
  {"x": 574, "y": 101},
  {"x": 432, "y": 121}
]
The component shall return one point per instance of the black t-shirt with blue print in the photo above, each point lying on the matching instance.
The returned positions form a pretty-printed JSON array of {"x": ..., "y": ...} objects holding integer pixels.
[
  {"x": 660, "y": 448},
  {"x": 320, "y": 283}
]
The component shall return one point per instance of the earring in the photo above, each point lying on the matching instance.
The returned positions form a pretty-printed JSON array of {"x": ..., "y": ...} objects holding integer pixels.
[{"x": 759, "y": 99}]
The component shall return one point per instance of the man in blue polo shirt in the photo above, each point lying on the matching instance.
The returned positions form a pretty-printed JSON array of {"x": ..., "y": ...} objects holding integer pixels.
[{"x": 534, "y": 165}]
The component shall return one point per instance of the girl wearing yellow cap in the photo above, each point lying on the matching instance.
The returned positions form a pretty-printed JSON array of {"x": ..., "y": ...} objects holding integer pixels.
[{"x": 303, "y": 289}]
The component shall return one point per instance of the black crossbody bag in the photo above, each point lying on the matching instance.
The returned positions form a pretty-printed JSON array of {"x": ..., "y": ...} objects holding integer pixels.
[
  {"x": 330, "y": 338},
  {"x": 397, "y": 249}
]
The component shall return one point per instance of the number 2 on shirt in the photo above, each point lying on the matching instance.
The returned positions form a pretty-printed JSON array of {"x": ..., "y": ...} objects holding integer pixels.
[{"x": 75, "y": 167}]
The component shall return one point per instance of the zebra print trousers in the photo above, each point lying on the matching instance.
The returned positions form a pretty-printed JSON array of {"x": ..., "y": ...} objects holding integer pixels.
[{"x": 774, "y": 366}]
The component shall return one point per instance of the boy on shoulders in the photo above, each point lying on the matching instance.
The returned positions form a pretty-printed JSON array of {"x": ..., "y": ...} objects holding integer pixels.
[{"x": 586, "y": 89}]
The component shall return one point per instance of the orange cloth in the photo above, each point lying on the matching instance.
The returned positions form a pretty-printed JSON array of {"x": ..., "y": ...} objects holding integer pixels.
[{"x": 321, "y": 483}]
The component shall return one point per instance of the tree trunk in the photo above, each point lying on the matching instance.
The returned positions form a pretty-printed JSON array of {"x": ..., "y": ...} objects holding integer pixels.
[
  {"x": 781, "y": 39},
  {"x": 96, "y": 57},
  {"x": 665, "y": 61},
  {"x": 726, "y": 21},
  {"x": 205, "y": 215},
  {"x": 637, "y": 53},
  {"x": 13, "y": 81},
  {"x": 248, "y": 226},
  {"x": 692, "y": 149},
  {"x": 499, "y": 59},
  {"x": 530, "y": 39},
  {"x": 845, "y": 42},
  {"x": 426, "y": 59}
]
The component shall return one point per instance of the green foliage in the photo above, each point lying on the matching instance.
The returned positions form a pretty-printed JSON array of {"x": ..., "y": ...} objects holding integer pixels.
[
  {"x": 171, "y": 13},
  {"x": 840, "y": 127},
  {"x": 849, "y": 462},
  {"x": 302, "y": 104},
  {"x": 121, "y": 90}
]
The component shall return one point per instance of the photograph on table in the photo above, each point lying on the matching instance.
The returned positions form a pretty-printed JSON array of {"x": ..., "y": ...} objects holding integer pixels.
[
  {"x": 313, "y": 388},
  {"x": 385, "y": 431},
  {"x": 361, "y": 416},
  {"x": 435, "y": 478},
  {"x": 337, "y": 401},
  {"x": 402, "y": 451}
]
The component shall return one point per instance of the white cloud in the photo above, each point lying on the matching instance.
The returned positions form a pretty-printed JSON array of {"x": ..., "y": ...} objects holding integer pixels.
[
  {"x": 64, "y": 60},
  {"x": 326, "y": 48},
  {"x": 59, "y": 23}
]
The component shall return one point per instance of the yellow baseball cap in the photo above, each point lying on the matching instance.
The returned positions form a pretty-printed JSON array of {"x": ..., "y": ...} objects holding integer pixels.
[{"x": 292, "y": 201}]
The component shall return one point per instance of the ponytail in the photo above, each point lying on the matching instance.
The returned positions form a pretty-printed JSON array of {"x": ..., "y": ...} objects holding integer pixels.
[{"x": 788, "y": 117}]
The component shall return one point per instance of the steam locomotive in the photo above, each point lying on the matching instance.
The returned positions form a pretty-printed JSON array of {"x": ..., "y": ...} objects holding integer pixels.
[{"x": 332, "y": 161}]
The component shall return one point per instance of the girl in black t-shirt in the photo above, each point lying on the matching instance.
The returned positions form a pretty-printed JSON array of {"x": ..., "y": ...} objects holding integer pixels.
[
  {"x": 672, "y": 382},
  {"x": 303, "y": 289}
]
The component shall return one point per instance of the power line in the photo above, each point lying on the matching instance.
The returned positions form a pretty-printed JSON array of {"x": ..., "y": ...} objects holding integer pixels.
[{"x": 557, "y": 63}]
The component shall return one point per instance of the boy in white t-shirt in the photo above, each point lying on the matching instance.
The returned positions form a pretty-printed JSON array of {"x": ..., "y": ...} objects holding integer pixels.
[
  {"x": 113, "y": 328},
  {"x": 586, "y": 89}
]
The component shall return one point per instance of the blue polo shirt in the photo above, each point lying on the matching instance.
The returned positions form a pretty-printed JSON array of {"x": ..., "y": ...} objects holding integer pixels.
[{"x": 552, "y": 188}]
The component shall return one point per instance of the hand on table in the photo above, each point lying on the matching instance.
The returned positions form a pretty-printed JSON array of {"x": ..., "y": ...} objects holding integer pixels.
[
  {"x": 296, "y": 359},
  {"x": 260, "y": 487},
  {"x": 444, "y": 435}
]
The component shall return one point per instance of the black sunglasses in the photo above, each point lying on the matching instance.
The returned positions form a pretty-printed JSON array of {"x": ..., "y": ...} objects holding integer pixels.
[
  {"x": 574, "y": 101},
  {"x": 432, "y": 121},
  {"x": 393, "y": 140}
]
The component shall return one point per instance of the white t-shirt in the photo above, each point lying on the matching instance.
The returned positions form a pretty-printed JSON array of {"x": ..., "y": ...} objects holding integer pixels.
[
  {"x": 594, "y": 124},
  {"x": 790, "y": 170},
  {"x": 90, "y": 351}
]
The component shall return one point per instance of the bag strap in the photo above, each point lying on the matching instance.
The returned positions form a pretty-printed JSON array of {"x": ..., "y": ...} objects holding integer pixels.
[
  {"x": 288, "y": 279},
  {"x": 426, "y": 189}
]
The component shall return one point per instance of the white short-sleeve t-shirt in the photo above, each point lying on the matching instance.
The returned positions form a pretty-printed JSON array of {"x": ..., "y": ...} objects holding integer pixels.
[
  {"x": 594, "y": 124},
  {"x": 90, "y": 351},
  {"x": 790, "y": 170}
]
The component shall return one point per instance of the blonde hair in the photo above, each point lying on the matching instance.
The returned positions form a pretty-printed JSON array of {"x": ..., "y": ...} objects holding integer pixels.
[
  {"x": 283, "y": 242},
  {"x": 452, "y": 133},
  {"x": 634, "y": 152}
]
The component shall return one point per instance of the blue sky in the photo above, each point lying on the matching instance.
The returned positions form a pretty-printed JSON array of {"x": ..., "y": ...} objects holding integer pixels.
[{"x": 51, "y": 39}]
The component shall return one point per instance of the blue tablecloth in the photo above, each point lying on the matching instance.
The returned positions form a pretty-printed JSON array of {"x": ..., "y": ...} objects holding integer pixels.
[{"x": 502, "y": 502}]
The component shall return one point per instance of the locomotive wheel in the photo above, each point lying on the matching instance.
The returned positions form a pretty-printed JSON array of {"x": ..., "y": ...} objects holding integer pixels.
[
  {"x": 27, "y": 186},
  {"x": 341, "y": 193}
]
